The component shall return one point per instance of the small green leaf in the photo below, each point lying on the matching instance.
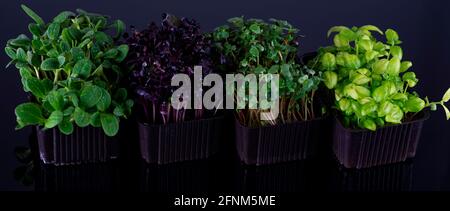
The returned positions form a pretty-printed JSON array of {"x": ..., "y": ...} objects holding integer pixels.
[
  {"x": 95, "y": 120},
  {"x": 254, "y": 51},
  {"x": 396, "y": 51},
  {"x": 120, "y": 28},
  {"x": 66, "y": 127},
  {"x": 447, "y": 112},
  {"x": 405, "y": 65},
  {"x": 50, "y": 64},
  {"x": 61, "y": 17},
  {"x": 54, "y": 119},
  {"x": 369, "y": 124},
  {"x": 118, "y": 111},
  {"x": 69, "y": 111},
  {"x": 82, "y": 68},
  {"x": 61, "y": 60},
  {"x": 104, "y": 101},
  {"x": 77, "y": 54},
  {"x": 393, "y": 67},
  {"x": 255, "y": 28},
  {"x": 37, "y": 87},
  {"x": 446, "y": 96},
  {"x": 53, "y": 31},
  {"x": 33, "y": 15},
  {"x": 29, "y": 114},
  {"x": 123, "y": 52},
  {"x": 111, "y": 53},
  {"x": 414, "y": 104},
  {"x": 328, "y": 61},
  {"x": 81, "y": 117},
  {"x": 336, "y": 29},
  {"x": 395, "y": 115},
  {"x": 391, "y": 36},
  {"x": 10, "y": 52},
  {"x": 90, "y": 95},
  {"x": 110, "y": 124},
  {"x": 21, "y": 55},
  {"x": 56, "y": 99},
  {"x": 330, "y": 79},
  {"x": 371, "y": 28}
]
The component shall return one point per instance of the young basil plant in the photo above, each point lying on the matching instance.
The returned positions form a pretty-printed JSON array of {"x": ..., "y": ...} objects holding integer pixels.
[
  {"x": 370, "y": 79},
  {"x": 252, "y": 46},
  {"x": 71, "y": 68}
]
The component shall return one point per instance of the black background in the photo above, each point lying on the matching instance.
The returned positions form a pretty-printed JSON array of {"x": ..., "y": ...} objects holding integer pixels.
[{"x": 423, "y": 26}]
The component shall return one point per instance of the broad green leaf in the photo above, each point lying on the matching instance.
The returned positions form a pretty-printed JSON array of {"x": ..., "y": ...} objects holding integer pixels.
[
  {"x": 405, "y": 65},
  {"x": 122, "y": 53},
  {"x": 104, "y": 101},
  {"x": 328, "y": 61},
  {"x": 384, "y": 108},
  {"x": 50, "y": 64},
  {"x": 53, "y": 30},
  {"x": 61, "y": 60},
  {"x": 369, "y": 124},
  {"x": 255, "y": 28},
  {"x": 340, "y": 41},
  {"x": 330, "y": 79},
  {"x": 391, "y": 36},
  {"x": 10, "y": 52},
  {"x": 81, "y": 117},
  {"x": 361, "y": 79},
  {"x": 110, "y": 124},
  {"x": 54, "y": 119},
  {"x": 29, "y": 114},
  {"x": 395, "y": 115},
  {"x": 77, "y": 54},
  {"x": 410, "y": 78},
  {"x": 336, "y": 29},
  {"x": 61, "y": 17},
  {"x": 393, "y": 67},
  {"x": 111, "y": 53},
  {"x": 21, "y": 55},
  {"x": 446, "y": 96},
  {"x": 447, "y": 112},
  {"x": 33, "y": 15},
  {"x": 66, "y": 127},
  {"x": 37, "y": 87},
  {"x": 371, "y": 28},
  {"x": 69, "y": 111},
  {"x": 95, "y": 120},
  {"x": 21, "y": 41},
  {"x": 396, "y": 51},
  {"x": 254, "y": 51},
  {"x": 56, "y": 99},
  {"x": 120, "y": 28},
  {"x": 90, "y": 95},
  {"x": 414, "y": 104},
  {"x": 82, "y": 68}
]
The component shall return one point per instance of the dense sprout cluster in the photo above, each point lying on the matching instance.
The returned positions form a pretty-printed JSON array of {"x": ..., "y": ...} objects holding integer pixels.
[
  {"x": 370, "y": 79},
  {"x": 258, "y": 47},
  {"x": 71, "y": 67},
  {"x": 159, "y": 52}
]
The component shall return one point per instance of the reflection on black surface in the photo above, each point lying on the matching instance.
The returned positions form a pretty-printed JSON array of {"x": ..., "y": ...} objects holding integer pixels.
[
  {"x": 222, "y": 173},
  {"x": 187, "y": 177},
  {"x": 279, "y": 178},
  {"x": 101, "y": 177},
  {"x": 388, "y": 178}
]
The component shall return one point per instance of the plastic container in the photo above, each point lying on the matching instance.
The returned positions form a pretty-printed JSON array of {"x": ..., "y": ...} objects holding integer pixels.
[
  {"x": 356, "y": 148},
  {"x": 84, "y": 145},
  {"x": 177, "y": 142},
  {"x": 279, "y": 143}
]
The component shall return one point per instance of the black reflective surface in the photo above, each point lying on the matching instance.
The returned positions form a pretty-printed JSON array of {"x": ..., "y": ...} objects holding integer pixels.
[
  {"x": 223, "y": 173},
  {"x": 422, "y": 26}
]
